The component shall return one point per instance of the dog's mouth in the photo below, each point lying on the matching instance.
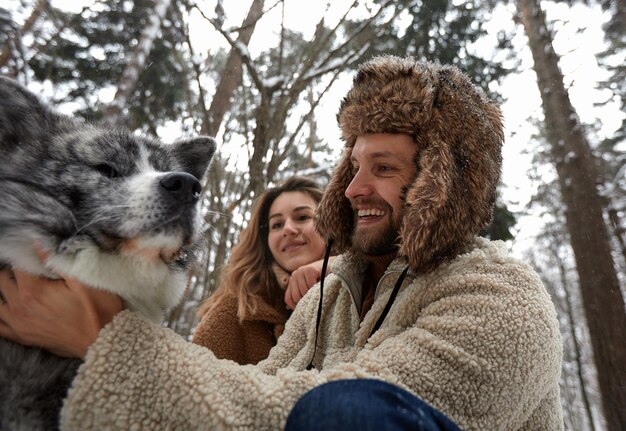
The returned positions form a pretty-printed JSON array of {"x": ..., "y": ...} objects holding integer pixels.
[
  {"x": 168, "y": 255},
  {"x": 166, "y": 249}
]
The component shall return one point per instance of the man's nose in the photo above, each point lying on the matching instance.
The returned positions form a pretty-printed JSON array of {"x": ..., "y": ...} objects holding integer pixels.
[{"x": 359, "y": 186}]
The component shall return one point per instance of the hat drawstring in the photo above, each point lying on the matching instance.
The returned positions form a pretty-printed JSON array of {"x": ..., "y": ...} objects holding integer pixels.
[
  {"x": 329, "y": 246},
  {"x": 392, "y": 298},
  {"x": 381, "y": 318}
]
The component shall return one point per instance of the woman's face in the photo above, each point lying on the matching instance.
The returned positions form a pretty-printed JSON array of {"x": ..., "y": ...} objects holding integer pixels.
[{"x": 292, "y": 239}]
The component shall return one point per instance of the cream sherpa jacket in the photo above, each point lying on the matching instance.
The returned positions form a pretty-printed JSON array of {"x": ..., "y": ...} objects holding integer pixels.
[{"x": 477, "y": 338}]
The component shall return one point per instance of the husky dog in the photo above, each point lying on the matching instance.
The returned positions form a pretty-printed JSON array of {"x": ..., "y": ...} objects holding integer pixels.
[{"x": 114, "y": 210}]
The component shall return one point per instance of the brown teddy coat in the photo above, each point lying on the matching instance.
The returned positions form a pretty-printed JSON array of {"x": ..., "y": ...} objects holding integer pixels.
[
  {"x": 248, "y": 341},
  {"x": 245, "y": 342}
]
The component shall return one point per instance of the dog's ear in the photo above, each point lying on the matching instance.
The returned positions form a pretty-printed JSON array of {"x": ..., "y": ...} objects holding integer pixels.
[
  {"x": 23, "y": 117},
  {"x": 194, "y": 154}
]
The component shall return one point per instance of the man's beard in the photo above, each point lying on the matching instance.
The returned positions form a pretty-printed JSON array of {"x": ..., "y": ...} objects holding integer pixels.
[{"x": 380, "y": 241}]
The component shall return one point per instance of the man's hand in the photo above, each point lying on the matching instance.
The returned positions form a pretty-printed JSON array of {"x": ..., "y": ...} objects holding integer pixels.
[
  {"x": 301, "y": 280},
  {"x": 62, "y": 316}
]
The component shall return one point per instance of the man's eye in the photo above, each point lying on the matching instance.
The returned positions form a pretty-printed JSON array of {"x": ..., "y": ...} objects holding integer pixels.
[{"x": 385, "y": 168}]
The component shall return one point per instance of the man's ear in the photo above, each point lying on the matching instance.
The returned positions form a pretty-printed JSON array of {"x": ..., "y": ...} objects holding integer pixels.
[
  {"x": 194, "y": 154},
  {"x": 23, "y": 117}
]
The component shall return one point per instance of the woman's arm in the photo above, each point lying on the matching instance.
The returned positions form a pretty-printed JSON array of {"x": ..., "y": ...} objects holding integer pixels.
[{"x": 62, "y": 316}]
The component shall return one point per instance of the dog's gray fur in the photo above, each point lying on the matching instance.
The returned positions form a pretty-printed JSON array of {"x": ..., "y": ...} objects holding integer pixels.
[{"x": 116, "y": 211}]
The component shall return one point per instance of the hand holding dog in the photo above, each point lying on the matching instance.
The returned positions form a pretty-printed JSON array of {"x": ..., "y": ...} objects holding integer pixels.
[{"x": 62, "y": 316}]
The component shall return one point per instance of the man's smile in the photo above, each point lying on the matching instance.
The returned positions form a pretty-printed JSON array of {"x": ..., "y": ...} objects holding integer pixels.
[{"x": 369, "y": 214}]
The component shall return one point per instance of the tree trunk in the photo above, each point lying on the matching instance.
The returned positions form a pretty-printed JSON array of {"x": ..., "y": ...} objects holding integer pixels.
[
  {"x": 602, "y": 298},
  {"x": 231, "y": 75},
  {"x": 256, "y": 165},
  {"x": 130, "y": 77},
  {"x": 571, "y": 326}
]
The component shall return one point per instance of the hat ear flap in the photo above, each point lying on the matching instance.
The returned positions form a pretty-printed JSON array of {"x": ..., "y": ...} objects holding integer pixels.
[
  {"x": 424, "y": 233},
  {"x": 453, "y": 196},
  {"x": 333, "y": 216}
]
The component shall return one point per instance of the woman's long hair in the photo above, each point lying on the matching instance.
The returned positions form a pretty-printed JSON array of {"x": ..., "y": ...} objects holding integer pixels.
[{"x": 249, "y": 275}]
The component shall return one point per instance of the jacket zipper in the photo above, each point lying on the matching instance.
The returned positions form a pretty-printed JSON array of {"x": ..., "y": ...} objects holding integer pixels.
[{"x": 376, "y": 292}]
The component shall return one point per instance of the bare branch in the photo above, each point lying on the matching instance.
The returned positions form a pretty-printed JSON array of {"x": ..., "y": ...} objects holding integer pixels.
[
  {"x": 238, "y": 47},
  {"x": 278, "y": 156},
  {"x": 364, "y": 25}
]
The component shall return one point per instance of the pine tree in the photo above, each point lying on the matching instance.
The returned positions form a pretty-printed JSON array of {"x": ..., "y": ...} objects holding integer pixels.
[{"x": 85, "y": 52}]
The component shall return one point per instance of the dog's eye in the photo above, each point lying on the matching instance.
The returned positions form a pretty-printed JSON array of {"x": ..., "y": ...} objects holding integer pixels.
[{"x": 107, "y": 170}]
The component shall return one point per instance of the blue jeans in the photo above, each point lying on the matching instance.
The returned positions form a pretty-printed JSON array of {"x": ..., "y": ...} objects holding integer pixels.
[{"x": 364, "y": 404}]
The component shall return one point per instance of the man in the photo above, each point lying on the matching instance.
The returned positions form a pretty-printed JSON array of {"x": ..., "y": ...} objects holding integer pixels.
[{"x": 422, "y": 325}]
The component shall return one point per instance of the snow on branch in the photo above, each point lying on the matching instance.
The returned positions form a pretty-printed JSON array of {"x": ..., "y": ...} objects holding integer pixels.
[{"x": 240, "y": 48}]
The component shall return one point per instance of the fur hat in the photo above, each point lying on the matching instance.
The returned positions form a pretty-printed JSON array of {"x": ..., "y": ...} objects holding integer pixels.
[{"x": 459, "y": 135}]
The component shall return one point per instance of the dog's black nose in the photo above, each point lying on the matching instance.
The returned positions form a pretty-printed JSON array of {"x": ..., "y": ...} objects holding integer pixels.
[{"x": 181, "y": 186}]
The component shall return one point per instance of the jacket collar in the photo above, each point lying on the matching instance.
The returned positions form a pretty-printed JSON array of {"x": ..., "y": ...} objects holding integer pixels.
[{"x": 350, "y": 267}]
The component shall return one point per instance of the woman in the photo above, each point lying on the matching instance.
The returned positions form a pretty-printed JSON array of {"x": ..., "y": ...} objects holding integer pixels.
[{"x": 275, "y": 262}]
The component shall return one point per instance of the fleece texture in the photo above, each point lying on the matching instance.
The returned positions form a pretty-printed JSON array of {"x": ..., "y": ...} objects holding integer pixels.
[
  {"x": 477, "y": 338},
  {"x": 245, "y": 342}
]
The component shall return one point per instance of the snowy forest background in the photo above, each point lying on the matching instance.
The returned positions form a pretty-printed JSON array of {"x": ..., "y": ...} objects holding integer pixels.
[{"x": 266, "y": 77}]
